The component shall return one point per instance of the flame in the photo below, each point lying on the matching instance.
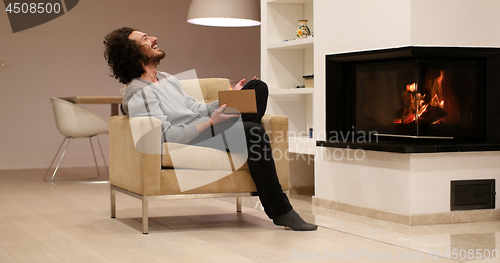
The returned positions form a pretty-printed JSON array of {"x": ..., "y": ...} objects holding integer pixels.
[
  {"x": 410, "y": 119},
  {"x": 440, "y": 78},
  {"x": 411, "y": 87},
  {"x": 415, "y": 104}
]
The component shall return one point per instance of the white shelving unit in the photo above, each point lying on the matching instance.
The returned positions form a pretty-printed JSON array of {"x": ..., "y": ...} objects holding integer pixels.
[
  {"x": 284, "y": 61},
  {"x": 290, "y": 1},
  {"x": 291, "y": 91},
  {"x": 301, "y": 144},
  {"x": 306, "y": 43}
]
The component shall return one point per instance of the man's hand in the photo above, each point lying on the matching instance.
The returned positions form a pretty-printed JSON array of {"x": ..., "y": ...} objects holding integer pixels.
[
  {"x": 218, "y": 116},
  {"x": 239, "y": 85}
]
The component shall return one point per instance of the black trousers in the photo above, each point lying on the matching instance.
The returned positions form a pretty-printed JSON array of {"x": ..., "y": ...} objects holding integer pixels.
[{"x": 260, "y": 158}]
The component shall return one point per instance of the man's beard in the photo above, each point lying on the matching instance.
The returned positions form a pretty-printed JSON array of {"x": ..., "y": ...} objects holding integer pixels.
[{"x": 157, "y": 57}]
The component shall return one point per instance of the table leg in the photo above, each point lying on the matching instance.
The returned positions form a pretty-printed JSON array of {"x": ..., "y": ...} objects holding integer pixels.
[{"x": 114, "y": 109}]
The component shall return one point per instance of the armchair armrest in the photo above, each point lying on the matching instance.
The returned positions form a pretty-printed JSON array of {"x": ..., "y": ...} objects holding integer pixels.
[
  {"x": 135, "y": 155},
  {"x": 276, "y": 127}
]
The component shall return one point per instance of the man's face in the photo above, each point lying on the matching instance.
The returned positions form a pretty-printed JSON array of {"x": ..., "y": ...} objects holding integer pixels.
[{"x": 149, "y": 45}]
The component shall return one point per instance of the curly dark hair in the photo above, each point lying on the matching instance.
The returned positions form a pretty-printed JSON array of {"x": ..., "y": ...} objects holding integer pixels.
[{"x": 124, "y": 55}]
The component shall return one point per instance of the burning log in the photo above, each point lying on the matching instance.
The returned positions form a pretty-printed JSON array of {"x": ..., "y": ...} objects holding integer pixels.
[{"x": 433, "y": 114}]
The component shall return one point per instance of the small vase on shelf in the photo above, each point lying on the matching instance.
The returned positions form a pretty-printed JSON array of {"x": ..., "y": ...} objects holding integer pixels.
[{"x": 303, "y": 31}]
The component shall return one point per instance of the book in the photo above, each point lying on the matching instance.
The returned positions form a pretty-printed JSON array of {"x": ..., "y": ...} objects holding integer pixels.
[{"x": 238, "y": 101}]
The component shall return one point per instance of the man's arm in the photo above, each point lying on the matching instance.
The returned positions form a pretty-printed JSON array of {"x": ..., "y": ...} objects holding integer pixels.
[
  {"x": 145, "y": 103},
  {"x": 212, "y": 106},
  {"x": 202, "y": 108},
  {"x": 217, "y": 117},
  {"x": 240, "y": 83}
]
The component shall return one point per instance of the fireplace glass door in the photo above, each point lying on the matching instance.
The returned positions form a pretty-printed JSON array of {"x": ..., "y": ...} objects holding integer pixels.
[{"x": 422, "y": 98}]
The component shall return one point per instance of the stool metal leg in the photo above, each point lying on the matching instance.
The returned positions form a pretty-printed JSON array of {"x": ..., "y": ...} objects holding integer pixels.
[
  {"x": 145, "y": 214},
  {"x": 113, "y": 203},
  {"x": 238, "y": 204},
  {"x": 59, "y": 163},
  {"x": 95, "y": 160},
  {"x": 54, "y": 159},
  {"x": 62, "y": 157},
  {"x": 104, "y": 159}
]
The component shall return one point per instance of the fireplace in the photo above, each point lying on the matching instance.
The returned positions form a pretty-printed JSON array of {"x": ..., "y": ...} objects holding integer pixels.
[{"x": 414, "y": 99}]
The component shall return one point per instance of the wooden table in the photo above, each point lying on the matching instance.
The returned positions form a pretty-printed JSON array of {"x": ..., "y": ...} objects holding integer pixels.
[{"x": 113, "y": 100}]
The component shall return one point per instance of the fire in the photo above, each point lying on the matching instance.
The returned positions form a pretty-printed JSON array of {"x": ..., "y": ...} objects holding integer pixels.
[
  {"x": 411, "y": 87},
  {"x": 416, "y": 106}
]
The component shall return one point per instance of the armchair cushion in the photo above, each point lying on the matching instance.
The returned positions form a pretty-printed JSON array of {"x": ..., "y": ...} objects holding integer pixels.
[
  {"x": 184, "y": 156},
  {"x": 205, "y": 181}
]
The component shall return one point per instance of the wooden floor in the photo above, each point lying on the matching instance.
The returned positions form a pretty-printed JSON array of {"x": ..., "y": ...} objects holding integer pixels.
[{"x": 40, "y": 222}]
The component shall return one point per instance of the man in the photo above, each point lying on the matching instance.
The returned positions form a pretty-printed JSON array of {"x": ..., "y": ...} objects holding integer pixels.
[{"x": 133, "y": 57}]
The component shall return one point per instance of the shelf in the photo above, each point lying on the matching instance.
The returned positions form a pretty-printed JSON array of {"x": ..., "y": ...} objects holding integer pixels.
[
  {"x": 293, "y": 44},
  {"x": 289, "y": 1},
  {"x": 301, "y": 144},
  {"x": 283, "y": 63},
  {"x": 297, "y": 91}
]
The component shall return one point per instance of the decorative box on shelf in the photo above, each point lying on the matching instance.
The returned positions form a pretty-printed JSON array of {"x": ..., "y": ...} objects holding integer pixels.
[{"x": 309, "y": 81}]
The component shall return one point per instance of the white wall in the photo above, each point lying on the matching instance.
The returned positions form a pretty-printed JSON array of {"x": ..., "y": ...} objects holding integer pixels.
[
  {"x": 379, "y": 180},
  {"x": 390, "y": 181},
  {"x": 344, "y": 26},
  {"x": 302, "y": 173},
  {"x": 353, "y": 25},
  {"x": 472, "y": 23},
  {"x": 64, "y": 57},
  {"x": 431, "y": 175}
]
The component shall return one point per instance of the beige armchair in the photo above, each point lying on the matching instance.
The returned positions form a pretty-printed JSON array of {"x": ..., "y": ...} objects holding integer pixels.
[{"x": 199, "y": 172}]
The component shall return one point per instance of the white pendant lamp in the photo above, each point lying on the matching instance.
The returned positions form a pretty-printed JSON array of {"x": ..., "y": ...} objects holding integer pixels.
[{"x": 224, "y": 13}]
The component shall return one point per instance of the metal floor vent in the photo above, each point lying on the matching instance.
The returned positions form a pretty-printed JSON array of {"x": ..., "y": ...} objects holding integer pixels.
[{"x": 472, "y": 194}]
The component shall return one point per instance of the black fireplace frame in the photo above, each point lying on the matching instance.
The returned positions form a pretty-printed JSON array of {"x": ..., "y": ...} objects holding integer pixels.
[{"x": 339, "y": 99}]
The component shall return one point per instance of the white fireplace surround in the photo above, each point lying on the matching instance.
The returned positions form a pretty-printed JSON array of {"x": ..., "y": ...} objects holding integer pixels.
[
  {"x": 387, "y": 185},
  {"x": 403, "y": 184}
]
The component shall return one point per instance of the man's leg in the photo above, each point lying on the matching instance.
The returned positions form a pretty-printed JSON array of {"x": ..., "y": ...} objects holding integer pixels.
[
  {"x": 260, "y": 162},
  {"x": 263, "y": 171},
  {"x": 261, "y": 95}
]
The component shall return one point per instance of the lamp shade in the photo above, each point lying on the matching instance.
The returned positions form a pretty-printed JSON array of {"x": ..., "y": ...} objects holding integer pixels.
[{"x": 224, "y": 13}]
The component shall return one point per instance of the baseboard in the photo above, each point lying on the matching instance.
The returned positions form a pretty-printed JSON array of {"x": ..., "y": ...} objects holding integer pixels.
[
  {"x": 68, "y": 162},
  {"x": 452, "y": 217},
  {"x": 302, "y": 190}
]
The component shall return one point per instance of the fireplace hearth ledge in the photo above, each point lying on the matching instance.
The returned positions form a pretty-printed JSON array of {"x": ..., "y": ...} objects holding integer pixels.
[
  {"x": 418, "y": 147},
  {"x": 452, "y": 217}
]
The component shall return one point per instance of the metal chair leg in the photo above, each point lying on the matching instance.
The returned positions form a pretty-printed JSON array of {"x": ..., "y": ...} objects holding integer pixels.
[
  {"x": 59, "y": 163},
  {"x": 144, "y": 214},
  {"x": 238, "y": 204},
  {"x": 102, "y": 154},
  {"x": 54, "y": 159},
  {"x": 95, "y": 160},
  {"x": 113, "y": 203}
]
